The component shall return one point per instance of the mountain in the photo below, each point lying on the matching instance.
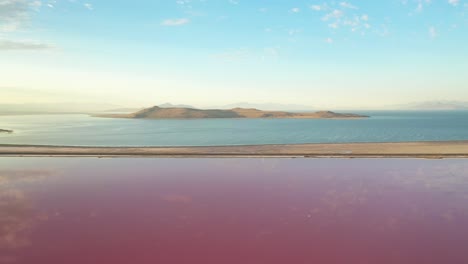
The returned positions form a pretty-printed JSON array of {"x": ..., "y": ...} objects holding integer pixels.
[
  {"x": 437, "y": 105},
  {"x": 122, "y": 110},
  {"x": 266, "y": 106},
  {"x": 169, "y": 105},
  {"x": 157, "y": 112}
]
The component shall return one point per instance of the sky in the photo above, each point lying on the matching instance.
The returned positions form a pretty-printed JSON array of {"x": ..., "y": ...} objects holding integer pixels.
[{"x": 323, "y": 54}]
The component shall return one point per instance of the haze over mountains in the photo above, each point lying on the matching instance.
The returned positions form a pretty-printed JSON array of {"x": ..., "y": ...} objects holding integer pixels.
[
  {"x": 169, "y": 105},
  {"x": 436, "y": 105},
  {"x": 428, "y": 105},
  {"x": 267, "y": 106},
  {"x": 85, "y": 108}
]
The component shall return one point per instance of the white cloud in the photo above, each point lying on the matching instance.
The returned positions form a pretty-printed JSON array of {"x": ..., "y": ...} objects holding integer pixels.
[
  {"x": 295, "y": 10},
  {"x": 329, "y": 40},
  {"x": 343, "y": 15},
  {"x": 175, "y": 22},
  {"x": 454, "y": 2},
  {"x": 317, "y": 7},
  {"x": 14, "y": 14},
  {"x": 420, "y": 4},
  {"x": 335, "y": 14},
  {"x": 347, "y": 5},
  {"x": 189, "y": 4},
  {"x": 183, "y": 2},
  {"x": 234, "y": 2},
  {"x": 8, "y": 45},
  {"x": 334, "y": 25},
  {"x": 88, "y": 6},
  {"x": 36, "y": 4}
]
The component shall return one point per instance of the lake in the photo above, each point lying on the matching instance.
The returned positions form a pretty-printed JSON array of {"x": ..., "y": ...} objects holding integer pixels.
[
  {"x": 383, "y": 126},
  {"x": 251, "y": 211}
]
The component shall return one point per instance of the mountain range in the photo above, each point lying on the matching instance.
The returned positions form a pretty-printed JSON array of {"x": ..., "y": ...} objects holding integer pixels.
[
  {"x": 158, "y": 112},
  {"x": 85, "y": 108},
  {"x": 435, "y": 105},
  {"x": 266, "y": 106}
]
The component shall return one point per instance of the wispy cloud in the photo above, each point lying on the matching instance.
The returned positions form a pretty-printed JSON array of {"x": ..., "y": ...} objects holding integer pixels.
[
  {"x": 184, "y": 2},
  {"x": 7, "y": 45},
  {"x": 343, "y": 15},
  {"x": 347, "y": 5},
  {"x": 88, "y": 6},
  {"x": 317, "y": 7},
  {"x": 433, "y": 32},
  {"x": 454, "y": 2},
  {"x": 295, "y": 10},
  {"x": 16, "y": 13},
  {"x": 175, "y": 22},
  {"x": 335, "y": 14},
  {"x": 420, "y": 4}
]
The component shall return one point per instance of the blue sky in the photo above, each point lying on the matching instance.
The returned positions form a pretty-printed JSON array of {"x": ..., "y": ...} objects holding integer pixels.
[{"x": 327, "y": 54}]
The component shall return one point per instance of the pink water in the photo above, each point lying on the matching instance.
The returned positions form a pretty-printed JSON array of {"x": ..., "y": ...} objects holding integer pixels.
[{"x": 250, "y": 211}]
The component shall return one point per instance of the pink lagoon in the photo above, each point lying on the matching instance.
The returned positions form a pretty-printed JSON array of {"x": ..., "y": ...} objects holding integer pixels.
[{"x": 142, "y": 210}]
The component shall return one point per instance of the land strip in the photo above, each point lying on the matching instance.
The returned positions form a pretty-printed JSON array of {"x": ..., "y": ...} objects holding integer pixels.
[{"x": 442, "y": 149}]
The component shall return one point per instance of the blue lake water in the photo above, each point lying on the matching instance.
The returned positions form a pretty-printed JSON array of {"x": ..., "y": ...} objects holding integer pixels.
[{"x": 383, "y": 126}]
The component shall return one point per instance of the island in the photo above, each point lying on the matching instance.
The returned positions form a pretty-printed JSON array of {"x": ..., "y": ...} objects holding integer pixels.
[
  {"x": 6, "y": 131},
  {"x": 157, "y": 112}
]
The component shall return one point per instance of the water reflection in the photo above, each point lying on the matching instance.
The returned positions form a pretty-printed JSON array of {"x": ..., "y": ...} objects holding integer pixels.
[
  {"x": 175, "y": 198},
  {"x": 234, "y": 211},
  {"x": 17, "y": 213}
]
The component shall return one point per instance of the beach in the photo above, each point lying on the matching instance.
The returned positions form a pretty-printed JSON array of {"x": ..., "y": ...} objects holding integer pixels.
[{"x": 439, "y": 149}]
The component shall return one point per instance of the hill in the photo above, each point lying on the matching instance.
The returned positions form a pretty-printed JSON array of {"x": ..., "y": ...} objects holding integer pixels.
[
  {"x": 157, "y": 112},
  {"x": 169, "y": 105}
]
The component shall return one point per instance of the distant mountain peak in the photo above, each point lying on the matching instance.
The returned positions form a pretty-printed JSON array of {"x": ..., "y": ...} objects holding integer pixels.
[
  {"x": 169, "y": 105},
  {"x": 437, "y": 105},
  {"x": 267, "y": 106}
]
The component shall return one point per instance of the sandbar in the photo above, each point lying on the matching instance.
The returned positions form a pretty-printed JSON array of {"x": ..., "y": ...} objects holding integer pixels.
[{"x": 432, "y": 149}]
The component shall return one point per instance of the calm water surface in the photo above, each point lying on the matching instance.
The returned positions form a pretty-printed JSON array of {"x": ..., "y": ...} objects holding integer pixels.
[
  {"x": 85, "y": 130},
  {"x": 251, "y": 211}
]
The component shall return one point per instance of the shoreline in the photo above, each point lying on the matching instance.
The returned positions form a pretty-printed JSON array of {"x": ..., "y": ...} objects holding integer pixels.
[{"x": 425, "y": 149}]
